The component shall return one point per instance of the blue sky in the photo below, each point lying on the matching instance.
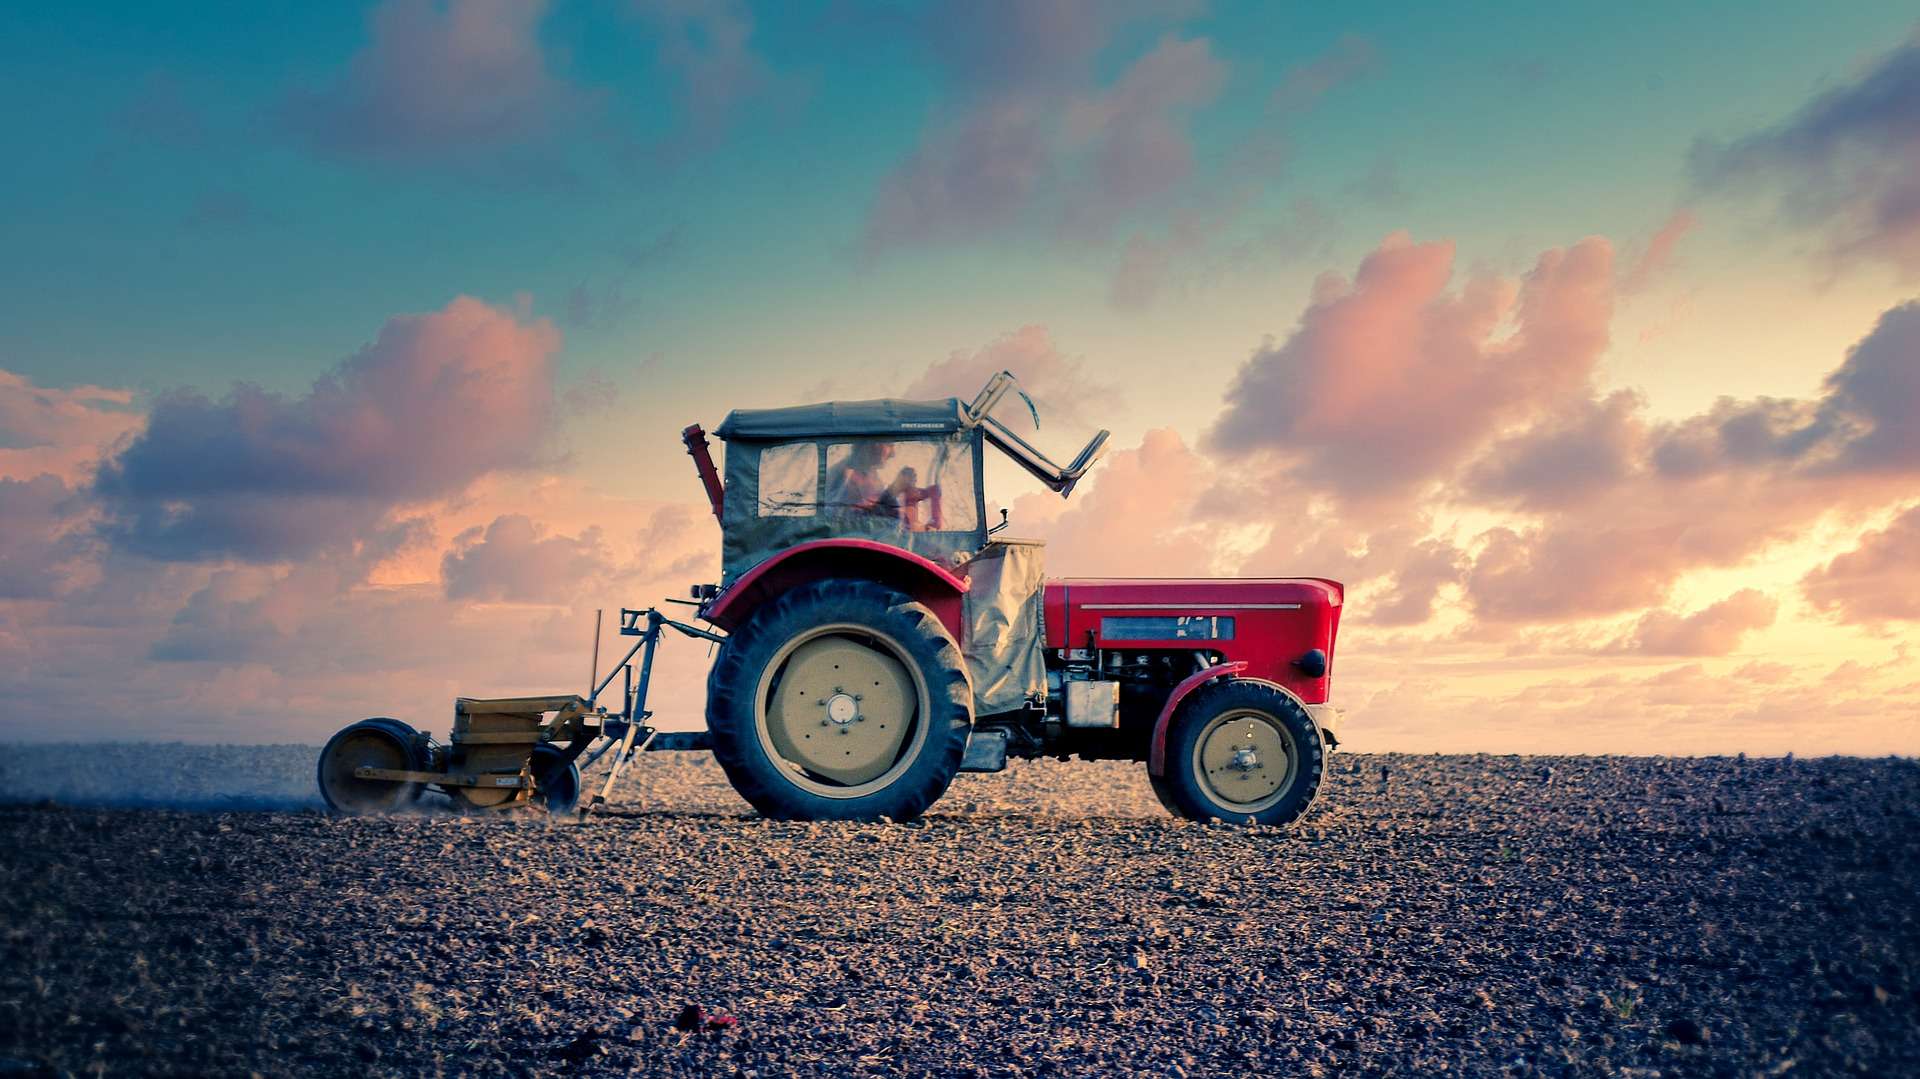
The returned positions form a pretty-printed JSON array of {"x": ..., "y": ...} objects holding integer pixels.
[{"x": 217, "y": 245}]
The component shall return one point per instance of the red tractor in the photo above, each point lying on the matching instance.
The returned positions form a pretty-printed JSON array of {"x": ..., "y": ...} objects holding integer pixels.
[{"x": 879, "y": 639}]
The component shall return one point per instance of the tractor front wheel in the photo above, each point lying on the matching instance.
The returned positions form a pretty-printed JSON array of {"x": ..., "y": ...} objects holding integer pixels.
[
  {"x": 1242, "y": 752},
  {"x": 841, "y": 700}
]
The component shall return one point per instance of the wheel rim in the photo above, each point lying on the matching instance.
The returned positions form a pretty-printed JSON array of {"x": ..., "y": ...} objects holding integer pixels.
[
  {"x": 1245, "y": 760},
  {"x": 365, "y": 748},
  {"x": 841, "y": 710}
]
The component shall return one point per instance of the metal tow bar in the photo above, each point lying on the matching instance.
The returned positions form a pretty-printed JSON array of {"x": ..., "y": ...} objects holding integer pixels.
[{"x": 637, "y": 714}]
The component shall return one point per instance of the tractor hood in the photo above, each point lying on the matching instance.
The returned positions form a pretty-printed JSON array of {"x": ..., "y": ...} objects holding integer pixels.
[{"x": 833, "y": 418}]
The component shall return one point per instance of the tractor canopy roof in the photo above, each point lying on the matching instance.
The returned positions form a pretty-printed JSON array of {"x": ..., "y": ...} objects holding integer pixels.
[{"x": 836, "y": 418}]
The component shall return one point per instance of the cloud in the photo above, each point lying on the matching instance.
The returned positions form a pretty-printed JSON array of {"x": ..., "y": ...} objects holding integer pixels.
[
  {"x": 1023, "y": 46},
  {"x": 60, "y": 432},
  {"x": 1866, "y": 422},
  {"x": 974, "y": 173},
  {"x": 1479, "y": 400},
  {"x": 1026, "y": 113},
  {"x": 1390, "y": 380},
  {"x": 1137, "y": 130},
  {"x": 1147, "y": 262},
  {"x": 1351, "y": 57},
  {"x": 1061, "y": 386},
  {"x": 514, "y": 561},
  {"x": 437, "y": 79},
  {"x": 1878, "y": 580},
  {"x": 708, "y": 47},
  {"x": 1137, "y": 517},
  {"x": 1715, "y": 630},
  {"x": 1565, "y": 457},
  {"x": 1658, "y": 255},
  {"x": 1872, "y": 408},
  {"x": 435, "y": 402},
  {"x": 1418, "y": 574},
  {"x": 42, "y": 537},
  {"x": 1847, "y": 163},
  {"x": 1646, "y": 502}
]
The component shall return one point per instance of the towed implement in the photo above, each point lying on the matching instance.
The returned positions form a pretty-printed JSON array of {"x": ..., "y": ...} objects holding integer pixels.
[{"x": 875, "y": 638}]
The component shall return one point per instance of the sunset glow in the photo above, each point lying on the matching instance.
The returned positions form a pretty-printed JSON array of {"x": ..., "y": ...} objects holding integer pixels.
[{"x": 344, "y": 354}]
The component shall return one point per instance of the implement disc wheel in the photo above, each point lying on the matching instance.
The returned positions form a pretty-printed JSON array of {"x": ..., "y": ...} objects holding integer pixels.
[
  {"x": 556, "y": 780},
  {"x": 377, "y": 743}
]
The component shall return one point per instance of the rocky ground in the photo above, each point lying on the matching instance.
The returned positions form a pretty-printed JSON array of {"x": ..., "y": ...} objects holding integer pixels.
[{"x": 1476, "y": 915}]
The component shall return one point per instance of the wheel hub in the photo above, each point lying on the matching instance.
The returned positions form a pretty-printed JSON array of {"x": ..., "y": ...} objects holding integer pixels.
[
  {"x": 1244, "y": 760},
  {"x": 842, "y": 710}
]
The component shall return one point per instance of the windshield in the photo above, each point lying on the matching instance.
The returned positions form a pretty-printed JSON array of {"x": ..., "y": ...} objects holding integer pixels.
[{"x": 919, "y": 493}]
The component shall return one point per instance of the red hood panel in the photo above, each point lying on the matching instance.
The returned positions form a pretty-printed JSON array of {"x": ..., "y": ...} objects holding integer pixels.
[{"x": 1268, "y": 623}]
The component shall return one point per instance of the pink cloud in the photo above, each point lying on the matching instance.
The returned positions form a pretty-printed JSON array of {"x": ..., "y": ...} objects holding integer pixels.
[
  {"x": 1133, "y": 519},
  {"x": 1714, "y": 630},
  {"x": 1708, "y": 490},
  {"x": 1878, "y": 579},
  {"x": 1658, "y": 254},
  {"x": 42, "y": 539},
  {"x": 59, "y": 432},
  {"x": 1062, "y": 386},
  {"x": 1564, "y": 457},
  {"x": 435, "y": 402},
  {"x": 1390, "y": 381},
  {"x": 514, "y": 560}
]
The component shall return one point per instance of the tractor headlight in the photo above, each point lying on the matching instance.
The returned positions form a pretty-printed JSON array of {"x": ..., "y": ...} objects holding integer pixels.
[{"x": 1313, "y": 664}]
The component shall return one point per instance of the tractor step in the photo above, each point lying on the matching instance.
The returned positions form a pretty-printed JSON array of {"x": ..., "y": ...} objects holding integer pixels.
[{"x": 986, "y": 751}]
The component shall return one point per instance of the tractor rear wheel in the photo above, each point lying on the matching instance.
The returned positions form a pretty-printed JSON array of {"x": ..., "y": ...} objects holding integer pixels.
[
  {"x": 1243, "y": 752},
  {"x": 841, "y": 700},
  {"x": 376, "y": 743}
]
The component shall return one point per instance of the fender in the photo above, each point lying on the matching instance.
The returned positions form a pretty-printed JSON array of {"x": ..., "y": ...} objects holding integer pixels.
[
  {"x": 1157, "y": 751},
  {"x": 925, "y": 580},
  {"x": 1157, "y": 755}
]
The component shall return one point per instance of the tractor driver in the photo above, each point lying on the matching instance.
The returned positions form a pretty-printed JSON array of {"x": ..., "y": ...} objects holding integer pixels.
[{"x": 856, "y": 487}]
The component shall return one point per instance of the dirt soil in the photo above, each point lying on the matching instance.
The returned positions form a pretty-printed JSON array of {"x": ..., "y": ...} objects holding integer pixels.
[{"x": 1460, "y": 915}]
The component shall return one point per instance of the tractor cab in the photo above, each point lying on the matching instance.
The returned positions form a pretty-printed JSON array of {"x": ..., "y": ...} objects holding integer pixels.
[
  {"x": 901, "y": 473},
  {"x": 906, "y": 474}
]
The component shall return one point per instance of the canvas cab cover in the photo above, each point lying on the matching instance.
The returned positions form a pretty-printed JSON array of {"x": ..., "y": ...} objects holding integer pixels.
[{"x": 905, "y": 473}]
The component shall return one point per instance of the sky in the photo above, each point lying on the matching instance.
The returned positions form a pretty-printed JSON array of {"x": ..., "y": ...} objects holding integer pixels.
[{"x": 344, "y": 348}]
